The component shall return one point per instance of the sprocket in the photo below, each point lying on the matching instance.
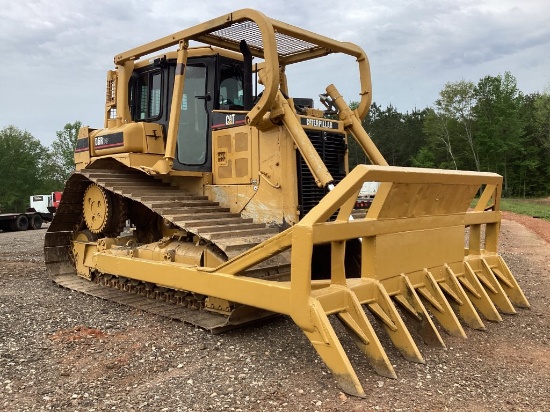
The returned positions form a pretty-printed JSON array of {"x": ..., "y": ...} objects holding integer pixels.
[{"x": 103, "y": 211}]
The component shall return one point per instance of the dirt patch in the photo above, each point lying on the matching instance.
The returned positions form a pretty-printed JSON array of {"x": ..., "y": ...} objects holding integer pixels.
[
  {"x": 540, "y": 226},
  {"x": 78, "y": 333}
]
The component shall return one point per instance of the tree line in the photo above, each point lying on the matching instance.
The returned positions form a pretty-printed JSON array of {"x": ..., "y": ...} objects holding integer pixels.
[
  {"x": 27, "y": 167},
  {"x": 489, "y": 126}
]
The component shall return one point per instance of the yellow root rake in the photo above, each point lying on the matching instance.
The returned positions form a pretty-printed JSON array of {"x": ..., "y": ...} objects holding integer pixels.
[{"x": 413, "y": 257}]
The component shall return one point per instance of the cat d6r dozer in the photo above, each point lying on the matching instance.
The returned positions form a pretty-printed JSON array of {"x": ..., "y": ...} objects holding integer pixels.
[{"x": 205, "y": 201}]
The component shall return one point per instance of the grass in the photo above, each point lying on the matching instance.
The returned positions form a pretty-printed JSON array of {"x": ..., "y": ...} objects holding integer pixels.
[
  {"x": 539, "y": 208},
  {"x": 531, "y": 207}
]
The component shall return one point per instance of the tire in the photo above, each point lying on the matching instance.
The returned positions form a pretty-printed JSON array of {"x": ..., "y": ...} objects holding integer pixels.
[
  {"x": 35, "y": 221},
  {"x": 20, "y": 223}
]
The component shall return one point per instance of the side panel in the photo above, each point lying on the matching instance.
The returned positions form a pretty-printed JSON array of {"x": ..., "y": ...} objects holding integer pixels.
[
  {"x": 82, "y": 149},
  {"x": 129, "y": 138},
  {"x": 255, "y": 174},
  {"x": 232, "y": 162}
]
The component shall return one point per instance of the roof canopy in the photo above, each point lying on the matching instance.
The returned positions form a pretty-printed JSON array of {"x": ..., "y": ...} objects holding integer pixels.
[{"x": 278, "y": 43}]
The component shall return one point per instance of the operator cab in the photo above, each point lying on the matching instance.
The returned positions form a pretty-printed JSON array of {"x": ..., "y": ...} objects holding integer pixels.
[{"x": 212, "y": 82}]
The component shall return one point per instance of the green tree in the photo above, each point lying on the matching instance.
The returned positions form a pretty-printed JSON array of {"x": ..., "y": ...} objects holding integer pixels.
[
  {"x": 21, "y": 164},
  {"x": 386, "y": 130},
  {"x": 532, "y": 171},
  {"x": 63, "y": 151},
  {"x": 542, "y": 123},
  {"x": 449, "y": 127},
  {"x": 398, "y": 136},
  {"x": 424, "y": 158},
  {"x": 50, "y": 176},
  {"x": 499, "y": 125},
  {"x": 488, "y": 126},
  {"x": 437, "y": 128},
  {"x": 412, "y": 136},
  {"x": 542, "y": 118},
  {"x": 456, "y": 102}
]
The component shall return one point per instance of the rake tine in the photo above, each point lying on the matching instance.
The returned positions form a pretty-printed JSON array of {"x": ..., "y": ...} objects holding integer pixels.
[
  {"x": 364, "y": 336},
  {"x": 442, "y": 310},
  {"x": 497, "y": 294},
  {"x": 509, "y": 284},
  {"x": 326, "y": 343},
  {"x": 377, "y": 300},
  {"x": 417, "y": 314},
  {"x": 477, "y": 294},
  {"x": 463, "y": 305}
]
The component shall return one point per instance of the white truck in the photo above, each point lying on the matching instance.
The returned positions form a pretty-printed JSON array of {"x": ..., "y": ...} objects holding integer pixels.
[
  {"x": 45, "y": 203},
  {"x": 366, "y": 195}
]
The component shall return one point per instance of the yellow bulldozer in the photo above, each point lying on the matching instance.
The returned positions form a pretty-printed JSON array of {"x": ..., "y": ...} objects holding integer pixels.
[{"x": 214, "y": 197}]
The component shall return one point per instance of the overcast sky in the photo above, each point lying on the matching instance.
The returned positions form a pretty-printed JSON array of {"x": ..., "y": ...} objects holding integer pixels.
[{"x": 55, "y": 53}]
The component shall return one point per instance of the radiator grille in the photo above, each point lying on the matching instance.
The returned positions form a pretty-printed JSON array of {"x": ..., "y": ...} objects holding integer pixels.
[{"x": 332, "y": 149}]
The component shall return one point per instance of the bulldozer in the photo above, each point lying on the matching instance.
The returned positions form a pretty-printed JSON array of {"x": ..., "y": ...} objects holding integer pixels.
[{"x": 213, "y": 196}]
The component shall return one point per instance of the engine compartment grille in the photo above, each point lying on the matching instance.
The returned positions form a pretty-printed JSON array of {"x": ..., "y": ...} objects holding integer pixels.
[{"x": 331, "y": 147}]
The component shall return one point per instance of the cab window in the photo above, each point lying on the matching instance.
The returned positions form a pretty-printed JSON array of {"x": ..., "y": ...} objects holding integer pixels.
[
  {"x": 149, "y": 95},
  {"x": 231, "y": 87}
]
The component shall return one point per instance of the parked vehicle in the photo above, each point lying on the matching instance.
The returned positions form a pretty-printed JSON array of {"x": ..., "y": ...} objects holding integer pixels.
[
  {"x": 41, "y": 209},
  {"x": 366, "y": 195},
  {"x": 45, "y": 203}
]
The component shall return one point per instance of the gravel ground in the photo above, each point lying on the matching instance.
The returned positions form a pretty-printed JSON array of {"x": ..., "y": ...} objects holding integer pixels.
[{"x": 60, "y": 350}]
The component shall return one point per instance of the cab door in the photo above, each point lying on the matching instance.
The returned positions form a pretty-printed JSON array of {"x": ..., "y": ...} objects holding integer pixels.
[
  {"x": 211, "y": 82},
  {"x": 193, "y": 150}
]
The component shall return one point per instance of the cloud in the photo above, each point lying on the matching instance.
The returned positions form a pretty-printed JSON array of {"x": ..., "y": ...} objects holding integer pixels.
[{"x": 55, "y": 58}]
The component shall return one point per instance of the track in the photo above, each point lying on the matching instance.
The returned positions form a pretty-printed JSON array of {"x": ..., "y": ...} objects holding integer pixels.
[{"x": 198, "y": 215}]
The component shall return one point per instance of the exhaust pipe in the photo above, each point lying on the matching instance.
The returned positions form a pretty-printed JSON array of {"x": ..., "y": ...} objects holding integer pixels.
[{"x": 247, "y": 81}]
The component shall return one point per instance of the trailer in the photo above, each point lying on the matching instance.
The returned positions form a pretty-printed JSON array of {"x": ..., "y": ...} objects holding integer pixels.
[{"x": 31, "y": 219}]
